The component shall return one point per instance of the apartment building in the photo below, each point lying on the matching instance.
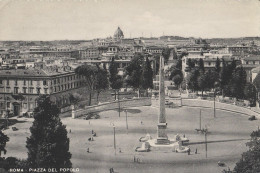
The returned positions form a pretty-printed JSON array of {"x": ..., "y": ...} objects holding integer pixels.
[{"x": 20, "y": 88}]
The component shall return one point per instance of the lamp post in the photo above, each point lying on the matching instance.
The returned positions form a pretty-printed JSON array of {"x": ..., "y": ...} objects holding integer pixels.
[
  {"x": 200, "y": 119},
  {"x": 216, "y": 84},
  {"x": 118, "y": 104},
  {"x": 214, "y": 103},
  {"x": 114, "y": 128},
  {"x": 126, "y": 120},
  {"x": 206, "y": 146}
]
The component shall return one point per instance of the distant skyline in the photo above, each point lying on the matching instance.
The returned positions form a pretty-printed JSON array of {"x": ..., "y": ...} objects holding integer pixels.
[{"x": 87, "y": 19}]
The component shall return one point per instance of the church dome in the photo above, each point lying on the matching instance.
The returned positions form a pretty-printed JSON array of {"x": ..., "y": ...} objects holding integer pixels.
[{"x": 118, "y": 34}]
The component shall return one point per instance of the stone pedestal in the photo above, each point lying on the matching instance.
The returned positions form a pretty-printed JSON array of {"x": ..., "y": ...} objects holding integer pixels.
[{"x": 162, "y": 137}]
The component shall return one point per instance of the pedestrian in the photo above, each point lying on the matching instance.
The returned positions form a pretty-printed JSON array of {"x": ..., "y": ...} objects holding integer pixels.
[
  {"x": 92, "y": 131},
  {"x": 111, "y": 170},
  {"x": 184, "y": 135},
  {"x": 88, "y": 150},
  {"x": 134, "y": 158},
  {"x": 141, "y": 122},
  {"x": 92, "y": 139},
  {"x": 70, "y": 130},
  {"x": 189, "y": 151},
  {"x": 196, "y": 151},
  {"x": 120, "y": 150}
]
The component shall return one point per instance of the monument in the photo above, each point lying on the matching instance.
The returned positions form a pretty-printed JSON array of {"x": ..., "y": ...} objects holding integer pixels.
[
  {"x": 162, "y": 142},
  {"x": 162, "y": 137}
]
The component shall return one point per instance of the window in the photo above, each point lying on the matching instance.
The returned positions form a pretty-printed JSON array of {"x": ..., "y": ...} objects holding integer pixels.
[
  {"x": 8, "y": 90},
  {"x": 38, "y": 82},
  {"x": 16, "y": 82},
  {"x": 25, "y": 105},
  {"x": 7, "y": 82},
  {"x": 1, "y": 82},
  {"x": 254, "y": 62},
  {"x": 31, "y": 82},
  {"x": 31, "y": 90},
  {"x": 24, "y": 82},
  {"x": 24, "y": 90},
  {"x": 38, "y": 90},
  {"x": 44, "y": 82},
  {"x": 30, "y": 106},
  {"x": 45, "y": 90},
  {"x": 15, "y": 90},
  {"x": 8, "y": 104}
]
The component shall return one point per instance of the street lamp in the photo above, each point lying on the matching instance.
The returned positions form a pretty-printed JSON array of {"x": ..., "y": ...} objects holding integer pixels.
[
  {"x": 216, "y": 84},
  {"x": 114, "y": 138},
  {"x": 126, "y": 120},
  {"x": 206, "y": 146},
  {"x": 118, "y": 104}
]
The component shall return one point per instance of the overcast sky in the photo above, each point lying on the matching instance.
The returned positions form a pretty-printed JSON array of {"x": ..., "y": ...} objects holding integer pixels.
[{"x": 88, "y": 19}]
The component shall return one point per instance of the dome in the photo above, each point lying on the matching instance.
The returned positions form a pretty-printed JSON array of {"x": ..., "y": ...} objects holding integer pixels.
[{"x": 118, "y": 34}]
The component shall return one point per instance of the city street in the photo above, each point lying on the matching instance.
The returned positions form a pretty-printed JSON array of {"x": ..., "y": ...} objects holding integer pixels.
[{"x": 228, "y": 133}]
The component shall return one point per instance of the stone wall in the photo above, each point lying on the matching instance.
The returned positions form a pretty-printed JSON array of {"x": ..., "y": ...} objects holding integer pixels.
[
  {"x": 219, "y": 106},
  {"x": 135, "y": 102}
]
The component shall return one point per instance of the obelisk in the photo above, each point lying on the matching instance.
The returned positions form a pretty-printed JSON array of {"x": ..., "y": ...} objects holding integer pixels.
[{"x": 162, "y": 137}]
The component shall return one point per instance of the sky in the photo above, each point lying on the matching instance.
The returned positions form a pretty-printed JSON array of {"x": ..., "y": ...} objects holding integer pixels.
[{"x": 88, "y": 19}]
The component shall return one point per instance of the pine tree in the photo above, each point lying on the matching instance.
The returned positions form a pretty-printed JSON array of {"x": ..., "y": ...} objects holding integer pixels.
[
  {"x": 237, "y": 83},
  {"x": 250, "y": 94},
  {"x": 133, "y": 72},
  {"x": 48, "y": 145},
  {"x": 147, "y": 75},
  {"x": 90, "y": 76},
  {"x": 201, "y": 65},
  {"x": 217, "y": 66},
  {"x": 115, "y": 80},
  {"x": 250, "y": 161},
  {"x": 102, "y": 81},
  {"x": 3, "y": 140},
  {"x": 192, "y": 79}
]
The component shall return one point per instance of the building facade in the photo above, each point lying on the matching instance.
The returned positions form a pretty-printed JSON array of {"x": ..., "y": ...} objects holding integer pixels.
[{"x": 19, "y": 89}]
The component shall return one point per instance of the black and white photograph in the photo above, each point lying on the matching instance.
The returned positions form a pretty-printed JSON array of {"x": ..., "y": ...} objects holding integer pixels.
[{"x": 129, "y": 86}]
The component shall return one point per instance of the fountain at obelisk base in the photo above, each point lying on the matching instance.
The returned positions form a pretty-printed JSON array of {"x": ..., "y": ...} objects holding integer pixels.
[{"x": 162, "y": 139}]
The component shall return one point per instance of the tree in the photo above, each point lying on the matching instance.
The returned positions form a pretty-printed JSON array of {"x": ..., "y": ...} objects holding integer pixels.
[
  {"x": 90, "y": 75},
  {"x": 102, "y": 81},
  {"x": 115, "y": 80},
  {"x": 74, "y": 98},
  {"x": 177, "y": 79},
  {"x": 3, "y": 140},
  {"x": 250, "y": 161},
  {"x": 133, "y": 72},
  {"x": 223, "y": 77},
  {"x": 192, "y": 79},
  {"x": 201, "y": 65},
  {"x": 156, "y": 65},
  {"x": 217, "y": 66},
  {"x": 250, "y": 94},
  {"x": 202, "y": 82},
  {"x": 147, "y": 75},
  {"x": 48, "y": 145},
  {"x": 237, "y": 83},
  {"x": 166, "y": 52},
  {"x": 191, "y": 63}
]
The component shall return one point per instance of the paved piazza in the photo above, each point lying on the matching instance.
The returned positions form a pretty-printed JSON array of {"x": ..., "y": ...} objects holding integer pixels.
[{"x": 227, "y": 136}]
